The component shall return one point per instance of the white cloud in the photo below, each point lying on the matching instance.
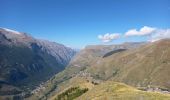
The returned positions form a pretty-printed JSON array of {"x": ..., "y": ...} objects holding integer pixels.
[
  {"x": 152, "y": 34},
  {"x": 142, "y": 32},
  {"x": 109, "y": 37},
  {"x": 160, "y": 34}
]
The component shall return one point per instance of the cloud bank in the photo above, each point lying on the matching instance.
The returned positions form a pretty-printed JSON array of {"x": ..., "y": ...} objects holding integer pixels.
[
  {"x": 160, "y": 34},
  {"x": 151, "y": 33},
  {"x": 142, "y": 32},
  {"x": 108, "y": 37}
]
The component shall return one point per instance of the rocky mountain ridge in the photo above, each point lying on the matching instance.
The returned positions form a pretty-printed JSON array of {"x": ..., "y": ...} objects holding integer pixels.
[{"x": 25, "y": 61}]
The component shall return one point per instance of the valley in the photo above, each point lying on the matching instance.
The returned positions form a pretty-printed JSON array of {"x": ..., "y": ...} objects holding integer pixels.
[
  {"x": 139, "y": 66},
  {"x": 84, "y": 49},
  {"x": 34, "y": 69}
]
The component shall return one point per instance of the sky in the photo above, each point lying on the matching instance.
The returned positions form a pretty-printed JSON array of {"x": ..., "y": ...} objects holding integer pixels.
[{"x": 77, "y": 23}]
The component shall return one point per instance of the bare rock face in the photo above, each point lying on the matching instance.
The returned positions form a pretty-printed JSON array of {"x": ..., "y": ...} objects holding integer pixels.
[
  {"x": 26, "y": 61},
  {"x": 60, "y": 52}
]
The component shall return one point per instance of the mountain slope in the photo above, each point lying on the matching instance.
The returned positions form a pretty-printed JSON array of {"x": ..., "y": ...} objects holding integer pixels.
[
  {"x": 90, "y": 55},
  {"x": 118, "y": 91},
  {"x": 25, "y": 62},
  {"x": 144, "y": 66},
  {"x": 106, "y": 90}
]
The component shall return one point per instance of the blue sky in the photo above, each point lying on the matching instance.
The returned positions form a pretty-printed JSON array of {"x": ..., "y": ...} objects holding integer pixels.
[{"x": 77, "y": 23}]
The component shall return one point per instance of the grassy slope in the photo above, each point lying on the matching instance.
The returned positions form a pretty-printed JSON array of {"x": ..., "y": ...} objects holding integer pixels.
[
  {"x": 73, "y": 82},
  {"x": 118, "y": 91},
  {"x": 148, "y": 65}
]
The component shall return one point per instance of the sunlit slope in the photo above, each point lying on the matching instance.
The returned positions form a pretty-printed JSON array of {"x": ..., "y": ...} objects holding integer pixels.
[
  {"x": 147, "y": 65},
  {"x": 73, "y": 82},
  {"x": 118, "y": 91}
]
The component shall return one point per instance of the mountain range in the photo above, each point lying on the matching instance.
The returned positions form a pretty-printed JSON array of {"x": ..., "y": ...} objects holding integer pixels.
[
  {"x": 34, "y": 69},
  {"x": 144, "y": 66},
  {"x": 25, "y": 62}
]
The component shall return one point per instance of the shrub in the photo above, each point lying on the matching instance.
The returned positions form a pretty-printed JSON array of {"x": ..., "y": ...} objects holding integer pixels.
[{"x": 71, "y": 93}]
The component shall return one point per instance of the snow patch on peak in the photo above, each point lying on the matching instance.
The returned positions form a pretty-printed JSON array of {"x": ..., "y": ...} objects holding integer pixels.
[{"x": 12, "y": 31}]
